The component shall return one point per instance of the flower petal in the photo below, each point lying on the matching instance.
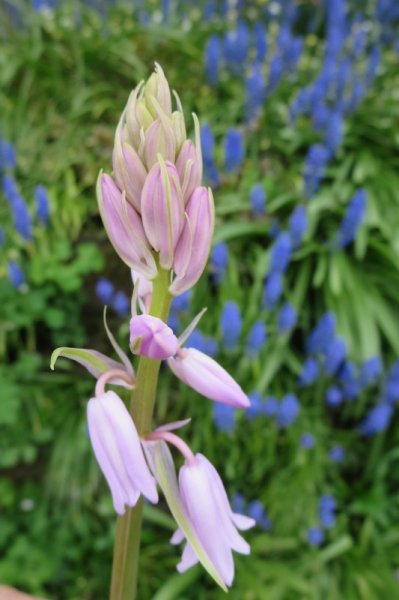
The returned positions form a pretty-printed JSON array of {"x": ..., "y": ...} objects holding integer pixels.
[{"x": 207, "y": 377}]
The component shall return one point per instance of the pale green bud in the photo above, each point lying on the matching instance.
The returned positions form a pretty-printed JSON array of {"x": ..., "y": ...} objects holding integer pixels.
[
  {"x": 179, "y": 129},
  {"x": 157, "y": 87},
  {"x": 143, "y": 115}
]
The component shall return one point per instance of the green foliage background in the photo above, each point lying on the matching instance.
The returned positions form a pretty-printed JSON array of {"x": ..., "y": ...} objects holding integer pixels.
[{"x": 62, "y": 88}]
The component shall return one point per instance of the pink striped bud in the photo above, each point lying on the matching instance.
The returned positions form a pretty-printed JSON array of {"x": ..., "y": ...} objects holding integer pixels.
[
  {"x": 124, "y": 228},
  {"x": 159, "y": 139},
  {"x": 129, "y": 172},
  {"x": 193, "y": 248},
  {"x": 149, "y": 125},
  {"x": 130, "y": 118},
  {"x": 207, "y": 377},
  {"x": 189, "y": 168},
  {"x": 162, "y": 210},
  {"x": 149, "y": 336}
]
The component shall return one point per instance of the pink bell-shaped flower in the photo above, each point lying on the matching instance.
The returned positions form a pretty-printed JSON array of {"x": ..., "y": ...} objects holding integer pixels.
[
  {"x": 118, "y": 451},
  {"x": 205, "y": 501},
  {"x": 149, "y": 336}
]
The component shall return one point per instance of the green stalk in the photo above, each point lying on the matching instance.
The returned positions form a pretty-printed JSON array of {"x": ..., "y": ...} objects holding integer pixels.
[{"x": 128, "y": 527}]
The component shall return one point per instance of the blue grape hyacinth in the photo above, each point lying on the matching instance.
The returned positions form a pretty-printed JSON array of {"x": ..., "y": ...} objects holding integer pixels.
[
  {"x": 105, "y": 290},
  {"x": 286, "y": 319},
  {"x": 16, "y": 275},
  {"x": 256, "y": 339},
  {"x": 233, "y": 150},
  {"x": 42, "y": 204},
  {"x": 258, "y": 200},
  {"x": 212, "y": 59},
  {"x": 272, "y": 290},
  {"x": 315, "y": 536},
  {"x": 352, "y": 220},
  {"x": 287, "y": 411},
  {"x": 280, "y": 254},
  {"x": 230, "y": 325}
]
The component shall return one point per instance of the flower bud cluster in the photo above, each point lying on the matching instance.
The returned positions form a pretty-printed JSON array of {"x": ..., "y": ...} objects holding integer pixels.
[{"x": 154, "y": 209}]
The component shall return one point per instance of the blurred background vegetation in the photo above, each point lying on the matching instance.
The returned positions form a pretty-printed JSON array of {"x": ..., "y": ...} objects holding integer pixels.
[{"x": 299, "y": 102}]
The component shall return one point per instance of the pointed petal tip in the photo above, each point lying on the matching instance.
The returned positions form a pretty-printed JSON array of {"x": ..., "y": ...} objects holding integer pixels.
[
  {"x": 245, "y": 402},
  {"x": 243, "y": 522},
  {"x": 177, "y": 537}
]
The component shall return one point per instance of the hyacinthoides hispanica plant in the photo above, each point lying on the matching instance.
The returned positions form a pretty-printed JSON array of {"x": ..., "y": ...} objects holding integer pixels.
[{"x": 160, "y": 221}]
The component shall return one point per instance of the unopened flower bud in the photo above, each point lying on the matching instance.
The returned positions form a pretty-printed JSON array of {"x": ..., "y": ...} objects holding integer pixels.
[
  {"x": 149, "y": 336},
  {"x": 124, "y": 228},
  {"x": 132, "y": 128},
  {"x": 159, "y": 139},
  {"x": 129, "y": 172},
  {"x": 143, "y": 115},
  {"x": 194, "y": 245},
  {"x": 157, "y": 87},
  {"x": 162, "y": 210},
  {"x": 189, "y": 168},
  {"x": 207, "y": 377},
  {"x": 179, "y": 128}
]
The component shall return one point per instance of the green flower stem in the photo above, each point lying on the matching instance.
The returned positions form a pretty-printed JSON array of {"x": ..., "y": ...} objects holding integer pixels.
[{"x": 128, "y": 527}]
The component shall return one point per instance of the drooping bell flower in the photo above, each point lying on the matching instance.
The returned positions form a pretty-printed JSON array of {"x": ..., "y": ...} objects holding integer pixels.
[
  {"x": 208, "y": 508},
  {"x": 149, "y": 336},
  {"x": 118, "y": 451}
]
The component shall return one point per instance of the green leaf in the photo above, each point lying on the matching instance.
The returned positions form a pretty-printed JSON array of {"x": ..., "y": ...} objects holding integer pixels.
[
  {"x": 320, "y": 271},
  {"x": 335, "y": 275},
  {"x": 233, "y": 230},
  {"x": 161, "y": 460},
  {"x": 177, "y": 584},
  {"x": 95, "y": 362},
  {"x": 340, "y": 546}
]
